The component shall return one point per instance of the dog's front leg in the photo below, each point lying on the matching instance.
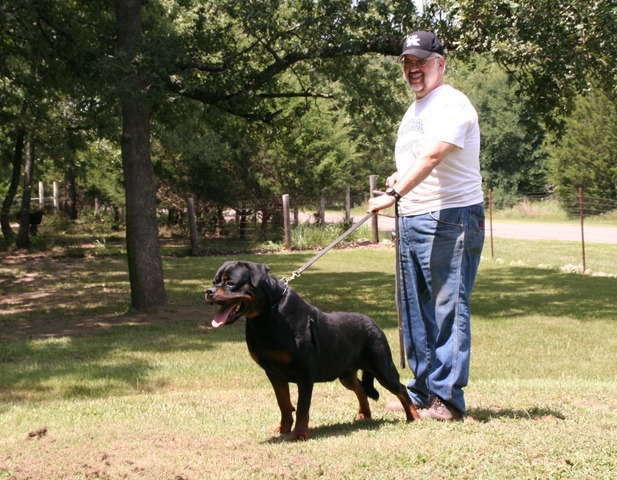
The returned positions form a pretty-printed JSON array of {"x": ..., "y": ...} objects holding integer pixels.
[
  {"x": 283, "y": 398},
  {"x": 305, "y": 393}
]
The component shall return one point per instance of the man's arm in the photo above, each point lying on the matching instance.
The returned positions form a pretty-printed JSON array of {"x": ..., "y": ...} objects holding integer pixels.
[{"x": 432, "y": 155}]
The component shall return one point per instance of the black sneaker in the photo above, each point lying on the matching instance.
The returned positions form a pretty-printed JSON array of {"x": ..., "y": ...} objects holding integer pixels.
[{"x": 440, "y": 410}]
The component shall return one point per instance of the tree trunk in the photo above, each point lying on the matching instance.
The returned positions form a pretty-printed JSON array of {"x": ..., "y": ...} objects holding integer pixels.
[
  {"x": 5, "y": 214},
  {"x": 23, "y": 235},
  {"x": 69, "y": 204},
  {"x": 144, "y": 259},
  {"x": 190, "y": 203}
]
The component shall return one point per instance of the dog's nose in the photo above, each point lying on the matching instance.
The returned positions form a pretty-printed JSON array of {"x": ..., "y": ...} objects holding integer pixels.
[{"x": 210, "y": 293}]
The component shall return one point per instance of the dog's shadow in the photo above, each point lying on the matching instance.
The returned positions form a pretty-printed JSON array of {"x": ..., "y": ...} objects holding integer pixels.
[
  {"x": 481, "y": 415},
  {"x": 336, "y": 429}
]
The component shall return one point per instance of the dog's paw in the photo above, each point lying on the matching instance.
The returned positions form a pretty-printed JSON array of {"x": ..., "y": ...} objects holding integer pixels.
[
  {"x": 284, "y": 426},
  {"x": 300, "y": 436},
  {"x": 363, "y": 416}
]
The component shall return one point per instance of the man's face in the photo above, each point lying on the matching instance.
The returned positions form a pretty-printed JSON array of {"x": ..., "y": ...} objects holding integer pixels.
[{"x": 423, "y": 75}]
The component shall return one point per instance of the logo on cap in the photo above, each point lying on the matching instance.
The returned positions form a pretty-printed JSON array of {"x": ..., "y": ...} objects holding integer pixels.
[{"x": 413, "y": 41}]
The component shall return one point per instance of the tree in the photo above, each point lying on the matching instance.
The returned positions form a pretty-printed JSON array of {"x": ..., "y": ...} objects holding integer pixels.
[
  {"x": 144, "y": 259},
  {"x": 512, "y": 155},
  {"x": 45, "y": 66},
  {"x": 23, "y": 235},
  {"x": 586, "y": 155},
  {"x": 552, "y": 49},
  {"x": 236, "y": 57},
  {"x": 13, "y": 185},
  {"x": 233, "y": 64}
]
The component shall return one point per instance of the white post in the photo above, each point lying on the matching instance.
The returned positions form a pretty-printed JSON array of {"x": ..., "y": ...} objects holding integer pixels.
[
  {"x": 56, "y": 195},
  {"x": 286, "y": 222},
  {"x": 41, "y": 195}
]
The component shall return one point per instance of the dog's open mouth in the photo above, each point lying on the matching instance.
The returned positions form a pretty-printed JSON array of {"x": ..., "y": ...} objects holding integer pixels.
[{"x": 228, "y": 314}]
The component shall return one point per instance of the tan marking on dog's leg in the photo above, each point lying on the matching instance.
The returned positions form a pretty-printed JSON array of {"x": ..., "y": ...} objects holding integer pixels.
[
  {"x": 352, "y": 383},
  {"x": 281, "y": 390},
  {"x": 410, "y": 411}
]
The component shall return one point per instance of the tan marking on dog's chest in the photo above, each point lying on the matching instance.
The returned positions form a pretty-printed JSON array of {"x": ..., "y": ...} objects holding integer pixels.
[{"x": 281, "y": 356}]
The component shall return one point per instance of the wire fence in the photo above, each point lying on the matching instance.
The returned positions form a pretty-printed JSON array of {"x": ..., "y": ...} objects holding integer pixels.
[
  {"x": 532, "y": 217},
  {"x": 585, "y": 219}
]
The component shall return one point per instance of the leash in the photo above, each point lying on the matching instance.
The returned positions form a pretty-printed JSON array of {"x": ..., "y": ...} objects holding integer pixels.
[
  {"x": 399, "y": 307},
  {"x": 295, "y": 274}
]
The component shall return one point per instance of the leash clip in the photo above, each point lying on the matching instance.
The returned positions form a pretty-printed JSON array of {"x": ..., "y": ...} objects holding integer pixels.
[{"x": 294, "y": 275}]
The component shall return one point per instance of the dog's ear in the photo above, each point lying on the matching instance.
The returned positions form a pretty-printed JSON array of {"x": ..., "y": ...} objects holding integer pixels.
[{"x": 258, "y": 272}]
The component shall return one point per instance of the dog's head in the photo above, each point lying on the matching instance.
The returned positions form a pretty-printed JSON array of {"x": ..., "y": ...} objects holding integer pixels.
[{"x": 236, "y": 288}]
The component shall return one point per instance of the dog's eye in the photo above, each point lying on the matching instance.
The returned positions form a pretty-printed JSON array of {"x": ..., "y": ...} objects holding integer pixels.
[{"x": 229, "y": 283}]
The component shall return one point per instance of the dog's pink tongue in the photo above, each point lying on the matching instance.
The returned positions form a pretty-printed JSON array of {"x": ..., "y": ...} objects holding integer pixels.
[{"x": 221, "y": 316}]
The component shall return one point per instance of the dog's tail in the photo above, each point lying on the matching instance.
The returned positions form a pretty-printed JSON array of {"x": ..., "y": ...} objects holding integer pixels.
[{"x": 368, "y": 385}]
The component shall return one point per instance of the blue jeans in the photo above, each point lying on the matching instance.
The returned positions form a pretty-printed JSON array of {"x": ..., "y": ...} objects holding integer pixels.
[{"x": 439, "y": 254}]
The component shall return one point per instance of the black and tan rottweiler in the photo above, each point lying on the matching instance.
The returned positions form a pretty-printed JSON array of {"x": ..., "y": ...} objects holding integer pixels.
[{"x": 293, "y": 341}]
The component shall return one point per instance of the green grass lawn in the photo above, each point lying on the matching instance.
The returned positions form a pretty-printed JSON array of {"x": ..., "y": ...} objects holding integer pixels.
[{"x": 90, "y": 391}]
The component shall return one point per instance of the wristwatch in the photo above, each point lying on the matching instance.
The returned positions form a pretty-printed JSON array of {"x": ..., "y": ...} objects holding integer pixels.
[{"x": 393, "y": 193}]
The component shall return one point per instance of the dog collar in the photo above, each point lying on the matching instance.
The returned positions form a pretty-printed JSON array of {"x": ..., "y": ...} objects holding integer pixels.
[{"x": 279, "y": 299}]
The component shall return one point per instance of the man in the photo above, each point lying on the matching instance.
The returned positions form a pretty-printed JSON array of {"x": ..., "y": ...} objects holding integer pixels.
[{"x": 438, "y": 191}]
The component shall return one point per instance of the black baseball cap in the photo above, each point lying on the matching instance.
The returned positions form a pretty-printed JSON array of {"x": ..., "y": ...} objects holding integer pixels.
[{"x": 421, "y": 45}]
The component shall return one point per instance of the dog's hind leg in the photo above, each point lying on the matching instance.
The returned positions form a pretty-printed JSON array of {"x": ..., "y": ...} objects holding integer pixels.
[
  {"x": 352, "y": 383},
  {"x": 392, "y": 383},
  {"x": 381, "y": 366},
  {"x": 281, "y": 390}
]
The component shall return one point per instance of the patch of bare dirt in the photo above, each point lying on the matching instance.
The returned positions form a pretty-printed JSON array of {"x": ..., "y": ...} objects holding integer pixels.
[
  {"x": 32, "y": 285},
  {"x": 81, "y": 327},
  {"x": 40, "y": 286}
]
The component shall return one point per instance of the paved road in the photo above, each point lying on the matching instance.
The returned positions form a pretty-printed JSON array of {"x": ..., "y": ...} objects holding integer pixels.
[
  {"x": 538, "y": 231},
  {"x": 532, "y": 231}
]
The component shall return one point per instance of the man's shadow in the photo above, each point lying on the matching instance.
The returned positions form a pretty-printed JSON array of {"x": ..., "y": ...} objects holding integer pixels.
[{"x": 485, "y": 415}]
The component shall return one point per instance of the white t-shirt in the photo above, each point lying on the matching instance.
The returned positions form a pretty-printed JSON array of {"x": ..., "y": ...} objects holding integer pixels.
[{"x": 447, "y": 115}]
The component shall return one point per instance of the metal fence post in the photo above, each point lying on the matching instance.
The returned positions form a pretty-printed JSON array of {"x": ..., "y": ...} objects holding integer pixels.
[
  {"x": 580, "y": 208},
  {"x": 490, "y": 219},
  {"x": 372, "y": 184}
]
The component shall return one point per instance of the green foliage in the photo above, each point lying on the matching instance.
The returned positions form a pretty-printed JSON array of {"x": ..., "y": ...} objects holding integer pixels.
[
  {"x": 512, "y": 155},
  {"x": 255, "y": 60},
  {"x": 375, "y": 96},
  {"x": 102, "y": 173},
  {"x": 586, "y": 155},
  {"x": 552, "y": 50}
]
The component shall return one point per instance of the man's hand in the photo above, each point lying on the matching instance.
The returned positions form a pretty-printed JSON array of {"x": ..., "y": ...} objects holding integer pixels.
[{"x": 379, "y": 203}]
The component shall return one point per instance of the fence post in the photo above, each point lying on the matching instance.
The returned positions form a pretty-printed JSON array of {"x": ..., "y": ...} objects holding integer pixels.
[
  {"x": 347, "y": 204},
  {"x": 375, "y": 222},
  {"x": 56, "y": 194},
  {"x": 286, "y": 222},
  {"x": 581, "y": 214},
  {"x": 41, "y": 195},
  {"x": 193, "y": 226},
  {"x": 322, "y": 211},
  {"x": 490, "y": 219}
]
